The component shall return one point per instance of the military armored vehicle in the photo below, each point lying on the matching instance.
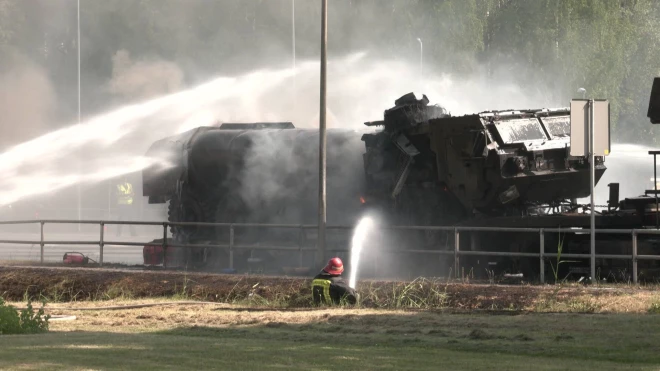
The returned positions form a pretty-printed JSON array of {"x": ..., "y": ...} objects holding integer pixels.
[{"x": 436, "y": 169}]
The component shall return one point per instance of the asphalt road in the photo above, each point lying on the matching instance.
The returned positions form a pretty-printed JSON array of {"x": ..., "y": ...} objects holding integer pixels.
[{"x": 55, "y": 253}]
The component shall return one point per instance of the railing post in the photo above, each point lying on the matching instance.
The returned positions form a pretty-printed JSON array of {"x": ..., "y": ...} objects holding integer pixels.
[
  {"x": 634, "y": 255},
  {"x": 41, "y": 244},
  {"x": 379, "y": 243},
  {"x": 231, "y": 246},
  {"x": 301, "y": 237},
  {"x": 164, "y": 244},
  {"x": 101, "y": 243},
  {"x": 541, "y": 256},
  {"x": 456, "y": 249}
]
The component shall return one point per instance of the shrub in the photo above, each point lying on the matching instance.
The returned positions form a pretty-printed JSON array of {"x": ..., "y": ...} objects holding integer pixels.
[
  {"x": 25, "y": 322},
  {"x": 654, "y": 308}
]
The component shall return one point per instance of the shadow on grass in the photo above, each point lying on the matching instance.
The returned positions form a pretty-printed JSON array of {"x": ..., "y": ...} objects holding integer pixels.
[
  {"x": 356, "y": 341},
  {"x": 567, "y": 337},
  {"x": 267, "y": 309}
]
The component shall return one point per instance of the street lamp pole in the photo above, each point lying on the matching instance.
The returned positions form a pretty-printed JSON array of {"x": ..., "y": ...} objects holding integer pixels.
[
  {"x": 79, "y": 160},
  {"x": 592, "y": 184},
  {"x": 421, "y": 61},
  {"x": 583, "y": 91},
  {"x": 293, "y": 46},
  {"x": 322, "y": 135}
]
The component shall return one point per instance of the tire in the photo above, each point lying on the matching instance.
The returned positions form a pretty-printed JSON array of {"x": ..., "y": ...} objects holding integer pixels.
[{"x": 185, "y": 208}]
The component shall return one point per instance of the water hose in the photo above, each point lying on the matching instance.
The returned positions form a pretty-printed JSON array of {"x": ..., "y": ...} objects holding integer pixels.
[{"x": 135, "y": 306}]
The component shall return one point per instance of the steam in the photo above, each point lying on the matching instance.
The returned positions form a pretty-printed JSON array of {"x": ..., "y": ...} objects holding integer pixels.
[
  {"x": 143, "y": 79},
  {"x": 631, "y": 166},
  {"x": 27, "y": 102},
  {"x": 113, "y": 143},
  {"x": 283, "y": 166}
]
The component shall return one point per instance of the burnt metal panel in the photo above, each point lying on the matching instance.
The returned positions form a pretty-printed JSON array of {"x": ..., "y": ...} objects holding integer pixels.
[
  {"x": 557, "y": 126},
  {"x": 520, "y": 130}
]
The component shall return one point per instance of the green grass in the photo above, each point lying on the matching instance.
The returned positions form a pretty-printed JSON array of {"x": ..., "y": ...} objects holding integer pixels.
[{"x": 351, "y": 340}]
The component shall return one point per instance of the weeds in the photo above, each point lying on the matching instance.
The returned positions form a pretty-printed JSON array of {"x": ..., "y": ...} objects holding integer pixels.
[
  {"x": 655, "y": 307},
  {"x": 25, "y": 322},
  {"x": 491, "y": 276},
  {"x": 583, "y": 306},
  {"x": 554, "y": 303},
  {"x": 560, "y": 247},
  {"x": 117, "y": 291},
  {"x": 183, "y": 293},
  {"x": 258, "y": 295},
  {"x": 421, "y": 293}
]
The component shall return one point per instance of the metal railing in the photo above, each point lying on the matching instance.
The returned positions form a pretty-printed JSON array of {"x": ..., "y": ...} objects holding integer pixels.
[{"x": 300, "y": 248}]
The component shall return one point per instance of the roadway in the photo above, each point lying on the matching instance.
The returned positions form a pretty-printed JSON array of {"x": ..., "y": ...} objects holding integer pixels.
[{"x": 54, "y": 253}]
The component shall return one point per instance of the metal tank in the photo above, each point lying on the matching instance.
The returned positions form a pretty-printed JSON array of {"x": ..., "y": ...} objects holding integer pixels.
[{"x": 253, "y": 173}]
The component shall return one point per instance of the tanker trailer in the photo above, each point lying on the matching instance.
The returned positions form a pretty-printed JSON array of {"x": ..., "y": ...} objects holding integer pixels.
[{"x": 252, "y": 173}]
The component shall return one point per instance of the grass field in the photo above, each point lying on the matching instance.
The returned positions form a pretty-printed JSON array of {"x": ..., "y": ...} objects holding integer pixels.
[{"x": 231, "y": 338}]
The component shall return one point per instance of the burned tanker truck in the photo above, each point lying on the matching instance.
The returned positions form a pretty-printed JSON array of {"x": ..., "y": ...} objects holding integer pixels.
[
  {"x": 265, "y": 173},
  {"x": 419, "y": 166}
]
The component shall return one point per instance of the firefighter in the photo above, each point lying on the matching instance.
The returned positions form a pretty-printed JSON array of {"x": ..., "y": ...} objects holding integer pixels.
[
  {"x": 329, "y": 287},
  {"x": 125, "y": 195}
]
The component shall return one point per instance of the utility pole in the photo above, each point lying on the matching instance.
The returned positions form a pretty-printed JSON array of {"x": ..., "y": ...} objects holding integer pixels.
[
  {"x": 293, "y": 44},
  {"x": 79, "y": 158},
  {"x": 421, "y": 64},
  {"x": 322, "y": 134},
  {"x": 592, "y": 184}
]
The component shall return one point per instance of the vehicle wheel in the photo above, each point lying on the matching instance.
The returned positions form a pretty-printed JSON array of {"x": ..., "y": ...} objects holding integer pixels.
[{"x": 185, "y": 208}]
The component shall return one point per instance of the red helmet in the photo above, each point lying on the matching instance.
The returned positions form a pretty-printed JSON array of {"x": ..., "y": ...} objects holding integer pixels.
[{"x": 334, "y": 267}]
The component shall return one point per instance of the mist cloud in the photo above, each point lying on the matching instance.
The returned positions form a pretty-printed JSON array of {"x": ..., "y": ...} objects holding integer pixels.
[
  {"x": 27, "y": 102},
  {"x": 360, "y": 89},
  {"x": 143, "y": 79}
]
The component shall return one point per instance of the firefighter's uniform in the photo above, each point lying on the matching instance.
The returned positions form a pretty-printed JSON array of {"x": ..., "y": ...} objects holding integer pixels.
[
  {"x": 125, "y": 193},
  {"x": 125, "y": 196},
  {"x": 331, "y": 289}
]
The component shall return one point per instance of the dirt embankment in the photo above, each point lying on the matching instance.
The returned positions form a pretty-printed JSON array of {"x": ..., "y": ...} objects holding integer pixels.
[{"x": 65, "y": 284}]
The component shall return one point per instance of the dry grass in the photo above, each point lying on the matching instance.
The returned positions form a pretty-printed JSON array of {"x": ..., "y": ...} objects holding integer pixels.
[
  {"x": 223, "y": 336},
  {"x": 60, "y": 285},
  {"x": 172, "y": 315},
  {"x": 573, "y": 299}
]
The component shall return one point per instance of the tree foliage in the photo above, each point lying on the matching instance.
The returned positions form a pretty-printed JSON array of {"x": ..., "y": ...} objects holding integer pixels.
[{"x": 610, "y": 48}]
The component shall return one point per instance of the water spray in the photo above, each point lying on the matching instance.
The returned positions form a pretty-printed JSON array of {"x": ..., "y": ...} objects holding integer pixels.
[
  {"x": 360, "y": 234},
  {"x": 113, "y": 143}
]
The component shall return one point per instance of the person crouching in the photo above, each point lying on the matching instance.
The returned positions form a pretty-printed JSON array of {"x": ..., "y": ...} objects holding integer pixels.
[{"x": 328, "y": 287}]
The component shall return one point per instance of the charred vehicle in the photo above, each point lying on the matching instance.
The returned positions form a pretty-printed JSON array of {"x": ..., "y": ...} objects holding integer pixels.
[
  {"x": 507, "y": 169},
  {"x": 418, "y": 166},
  {"x": 496, "y": 163},
  {"x": 252, "y": 173}
]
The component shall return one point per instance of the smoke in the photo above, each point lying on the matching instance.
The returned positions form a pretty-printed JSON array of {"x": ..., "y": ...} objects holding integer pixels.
[
  {"x": 27, "y": 101},
  {"x": 281, "y": 167},
  {"x": 631, "y": 166},
  {"x": 140, "y": 80},
  {"x": 360, "y": 88}
]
